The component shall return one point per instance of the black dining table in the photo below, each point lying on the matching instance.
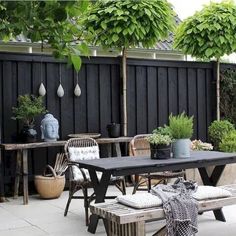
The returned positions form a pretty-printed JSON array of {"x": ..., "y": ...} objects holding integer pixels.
[{"x": 123, "y": 166}]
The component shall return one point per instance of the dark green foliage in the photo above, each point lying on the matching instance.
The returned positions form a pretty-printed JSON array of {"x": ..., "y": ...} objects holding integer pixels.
[
  {"x": 228, "y": 143},
  {"x": 181, "y": 126},
  {"x": 57, "y": 23},
  {"x": 28, "y": 108},
  {"x": 217, "y": 130},
  {"x": 228, "y": 95}
]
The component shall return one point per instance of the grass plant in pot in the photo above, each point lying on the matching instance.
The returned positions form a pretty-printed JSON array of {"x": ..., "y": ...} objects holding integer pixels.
[
  {"x": 29, "y": 106},
  {"x": 181, "y": 128},
  {"x": 160, "y": 144}
]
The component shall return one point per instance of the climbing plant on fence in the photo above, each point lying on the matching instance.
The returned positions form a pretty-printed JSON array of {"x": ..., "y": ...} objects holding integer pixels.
[{"x": 228, "y": 95}]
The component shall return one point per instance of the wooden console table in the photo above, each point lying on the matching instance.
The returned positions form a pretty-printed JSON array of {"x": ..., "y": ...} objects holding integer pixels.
[{"x": 22, "y": 159}]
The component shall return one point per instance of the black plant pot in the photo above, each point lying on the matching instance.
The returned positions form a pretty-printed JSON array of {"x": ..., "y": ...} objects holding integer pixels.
[
  {"x": 28, "y": 134},
  {"x": 160, "y": 151},
  {"x": 113, "y": 130}
]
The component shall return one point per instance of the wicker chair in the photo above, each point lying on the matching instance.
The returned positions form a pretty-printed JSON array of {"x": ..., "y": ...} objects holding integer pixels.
[
  {"x": 79, "y": 179},
  {"x": 138, "y": 147}
]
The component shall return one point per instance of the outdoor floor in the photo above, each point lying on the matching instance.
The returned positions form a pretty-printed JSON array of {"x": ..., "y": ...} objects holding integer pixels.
[{"x": 45, "y": 217}]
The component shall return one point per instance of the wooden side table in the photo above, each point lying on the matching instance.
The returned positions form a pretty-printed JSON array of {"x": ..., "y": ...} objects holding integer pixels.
[{"x": 22, "y": 160}]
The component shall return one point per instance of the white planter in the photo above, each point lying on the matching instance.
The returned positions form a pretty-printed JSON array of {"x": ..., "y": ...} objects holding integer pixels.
[{"x": 181, "y": 148}]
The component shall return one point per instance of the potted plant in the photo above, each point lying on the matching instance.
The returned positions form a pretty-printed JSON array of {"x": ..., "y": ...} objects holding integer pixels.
[
  {"x": 160, "y": 144},
  {"x": 217, "y": 130},
  {"x": 28, "y": 108},
  {"x": 181, "y": 128}
]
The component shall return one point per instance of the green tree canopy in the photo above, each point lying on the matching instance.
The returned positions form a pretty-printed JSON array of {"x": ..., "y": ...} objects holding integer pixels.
[
  {"x": 125, "y": 24},
  {"x": 129, "y": 23},
  {"x": 210, "y": 32},
  {"x": 57, "y": 23}
]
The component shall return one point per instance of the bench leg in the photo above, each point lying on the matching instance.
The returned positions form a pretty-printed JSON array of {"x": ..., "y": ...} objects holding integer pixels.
[
  {"x": 212, "y": 181},
  {"x": 131, "y": 229}
]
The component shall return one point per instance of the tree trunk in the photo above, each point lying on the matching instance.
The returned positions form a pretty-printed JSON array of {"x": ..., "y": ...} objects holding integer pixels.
[
  {"x": 124, "y": 89},
  {"x": 218, "y": 89}
]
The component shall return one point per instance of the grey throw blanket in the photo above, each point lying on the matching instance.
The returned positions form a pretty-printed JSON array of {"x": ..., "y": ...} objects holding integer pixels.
[{"x": 181, "y": 209}]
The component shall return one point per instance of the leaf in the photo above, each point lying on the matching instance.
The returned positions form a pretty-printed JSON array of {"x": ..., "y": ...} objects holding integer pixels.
[
  {"x": 209, "y": 52},
  {"x": 104, "y": 25},
  {"x": 76, "y": 60},
  {"x": 115, "y": 37}
]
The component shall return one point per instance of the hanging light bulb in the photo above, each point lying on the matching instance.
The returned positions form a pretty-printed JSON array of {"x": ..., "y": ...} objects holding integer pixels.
[
  {"x": 77, "y": 90},
  {"x": 60, "y": 90},
  {"x": 42, "y": 89}
]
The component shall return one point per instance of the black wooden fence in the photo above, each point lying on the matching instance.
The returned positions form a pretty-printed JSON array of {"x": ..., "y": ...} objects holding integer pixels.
[{"x": 155, "y": 89}]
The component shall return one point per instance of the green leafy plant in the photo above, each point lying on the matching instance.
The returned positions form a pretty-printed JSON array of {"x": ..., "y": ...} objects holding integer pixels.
[
  {"x": 209, "y": 34},
  {"x": 181, "y": 126},
  {"x": 28, "y": 108},
  {"x": 163, "y": 130},
  {"x": 228, "y": 142},
  {"x": 55, "y": 23},
  {"x": 217, "y": 130},
  {"x": 159, "y": 139},
  {"x": 228, "y": 95},
  {"x": 125, "y": 24}
]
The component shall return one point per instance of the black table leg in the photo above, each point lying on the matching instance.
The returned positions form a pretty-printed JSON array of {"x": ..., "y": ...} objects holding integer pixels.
[
  {"x": 2, "y": 198},
  {"x": 212, "y": 181},
  {"x": 100, "y": 189}
]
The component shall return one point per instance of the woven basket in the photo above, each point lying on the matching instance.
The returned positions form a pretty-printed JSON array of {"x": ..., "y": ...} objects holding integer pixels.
[{"x": 49, "y": 186}]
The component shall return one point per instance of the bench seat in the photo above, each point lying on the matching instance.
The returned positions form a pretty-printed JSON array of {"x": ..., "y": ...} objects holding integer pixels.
[{"x": 128, "y": 221}]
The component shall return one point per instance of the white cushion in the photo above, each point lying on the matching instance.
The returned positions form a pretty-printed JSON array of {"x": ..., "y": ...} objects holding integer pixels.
[
  {"x": 210, "y": 192},
  {"x": 140, "y": 200},
  {"x": 83, "y": 153}
]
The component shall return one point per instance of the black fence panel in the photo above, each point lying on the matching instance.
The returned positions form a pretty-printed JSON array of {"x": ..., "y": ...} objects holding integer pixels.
[{"x": 155, "y": 90}]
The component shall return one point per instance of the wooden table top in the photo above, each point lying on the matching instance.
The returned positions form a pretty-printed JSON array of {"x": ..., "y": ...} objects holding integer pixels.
[{"x": 19, "y": 146}]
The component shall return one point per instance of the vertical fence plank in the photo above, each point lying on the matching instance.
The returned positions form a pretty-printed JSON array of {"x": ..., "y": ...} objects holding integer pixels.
[
  {"x": 162, "y": 96},
  {"x": 152, "y": 112},
  {"x": 141, "y": 99}
]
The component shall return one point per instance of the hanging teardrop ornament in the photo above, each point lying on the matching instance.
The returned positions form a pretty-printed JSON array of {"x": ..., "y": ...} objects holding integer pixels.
[
  {"x": 42, "y": 90},
  {"x": 77, "y": 90},
  {"x": 60, "y": 91}
]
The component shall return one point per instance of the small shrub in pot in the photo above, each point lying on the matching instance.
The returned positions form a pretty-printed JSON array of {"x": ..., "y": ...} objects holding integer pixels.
[{"x": 160, "y": 145}]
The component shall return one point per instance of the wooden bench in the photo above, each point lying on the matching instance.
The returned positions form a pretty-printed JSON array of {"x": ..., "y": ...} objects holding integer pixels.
[{"x": 127, "y": 221}]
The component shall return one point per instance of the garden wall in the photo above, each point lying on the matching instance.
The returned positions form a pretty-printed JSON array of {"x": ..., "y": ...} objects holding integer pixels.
[{"x": 155, "y": 89}]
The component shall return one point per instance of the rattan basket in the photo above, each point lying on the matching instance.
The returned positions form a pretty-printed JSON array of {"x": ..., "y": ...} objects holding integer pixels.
[{"x": 49, "y": 186}]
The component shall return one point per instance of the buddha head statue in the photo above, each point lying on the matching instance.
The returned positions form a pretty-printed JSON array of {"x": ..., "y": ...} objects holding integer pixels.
[{"x": 49, "y": 128}]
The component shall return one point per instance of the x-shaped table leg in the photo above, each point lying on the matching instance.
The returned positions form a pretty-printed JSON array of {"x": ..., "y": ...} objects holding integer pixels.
[
  {"x": 212, "y": 181},
  {"x": 100, "y": 189}
]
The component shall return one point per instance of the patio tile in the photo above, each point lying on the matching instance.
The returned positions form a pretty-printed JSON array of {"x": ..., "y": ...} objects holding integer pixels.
[{"x": 46, "y": 217}]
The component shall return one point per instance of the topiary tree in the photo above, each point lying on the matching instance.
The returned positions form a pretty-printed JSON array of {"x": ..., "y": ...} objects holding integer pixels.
[
  {"x": 210, "y": 33},
  {"x": 125, "y": 24}
]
